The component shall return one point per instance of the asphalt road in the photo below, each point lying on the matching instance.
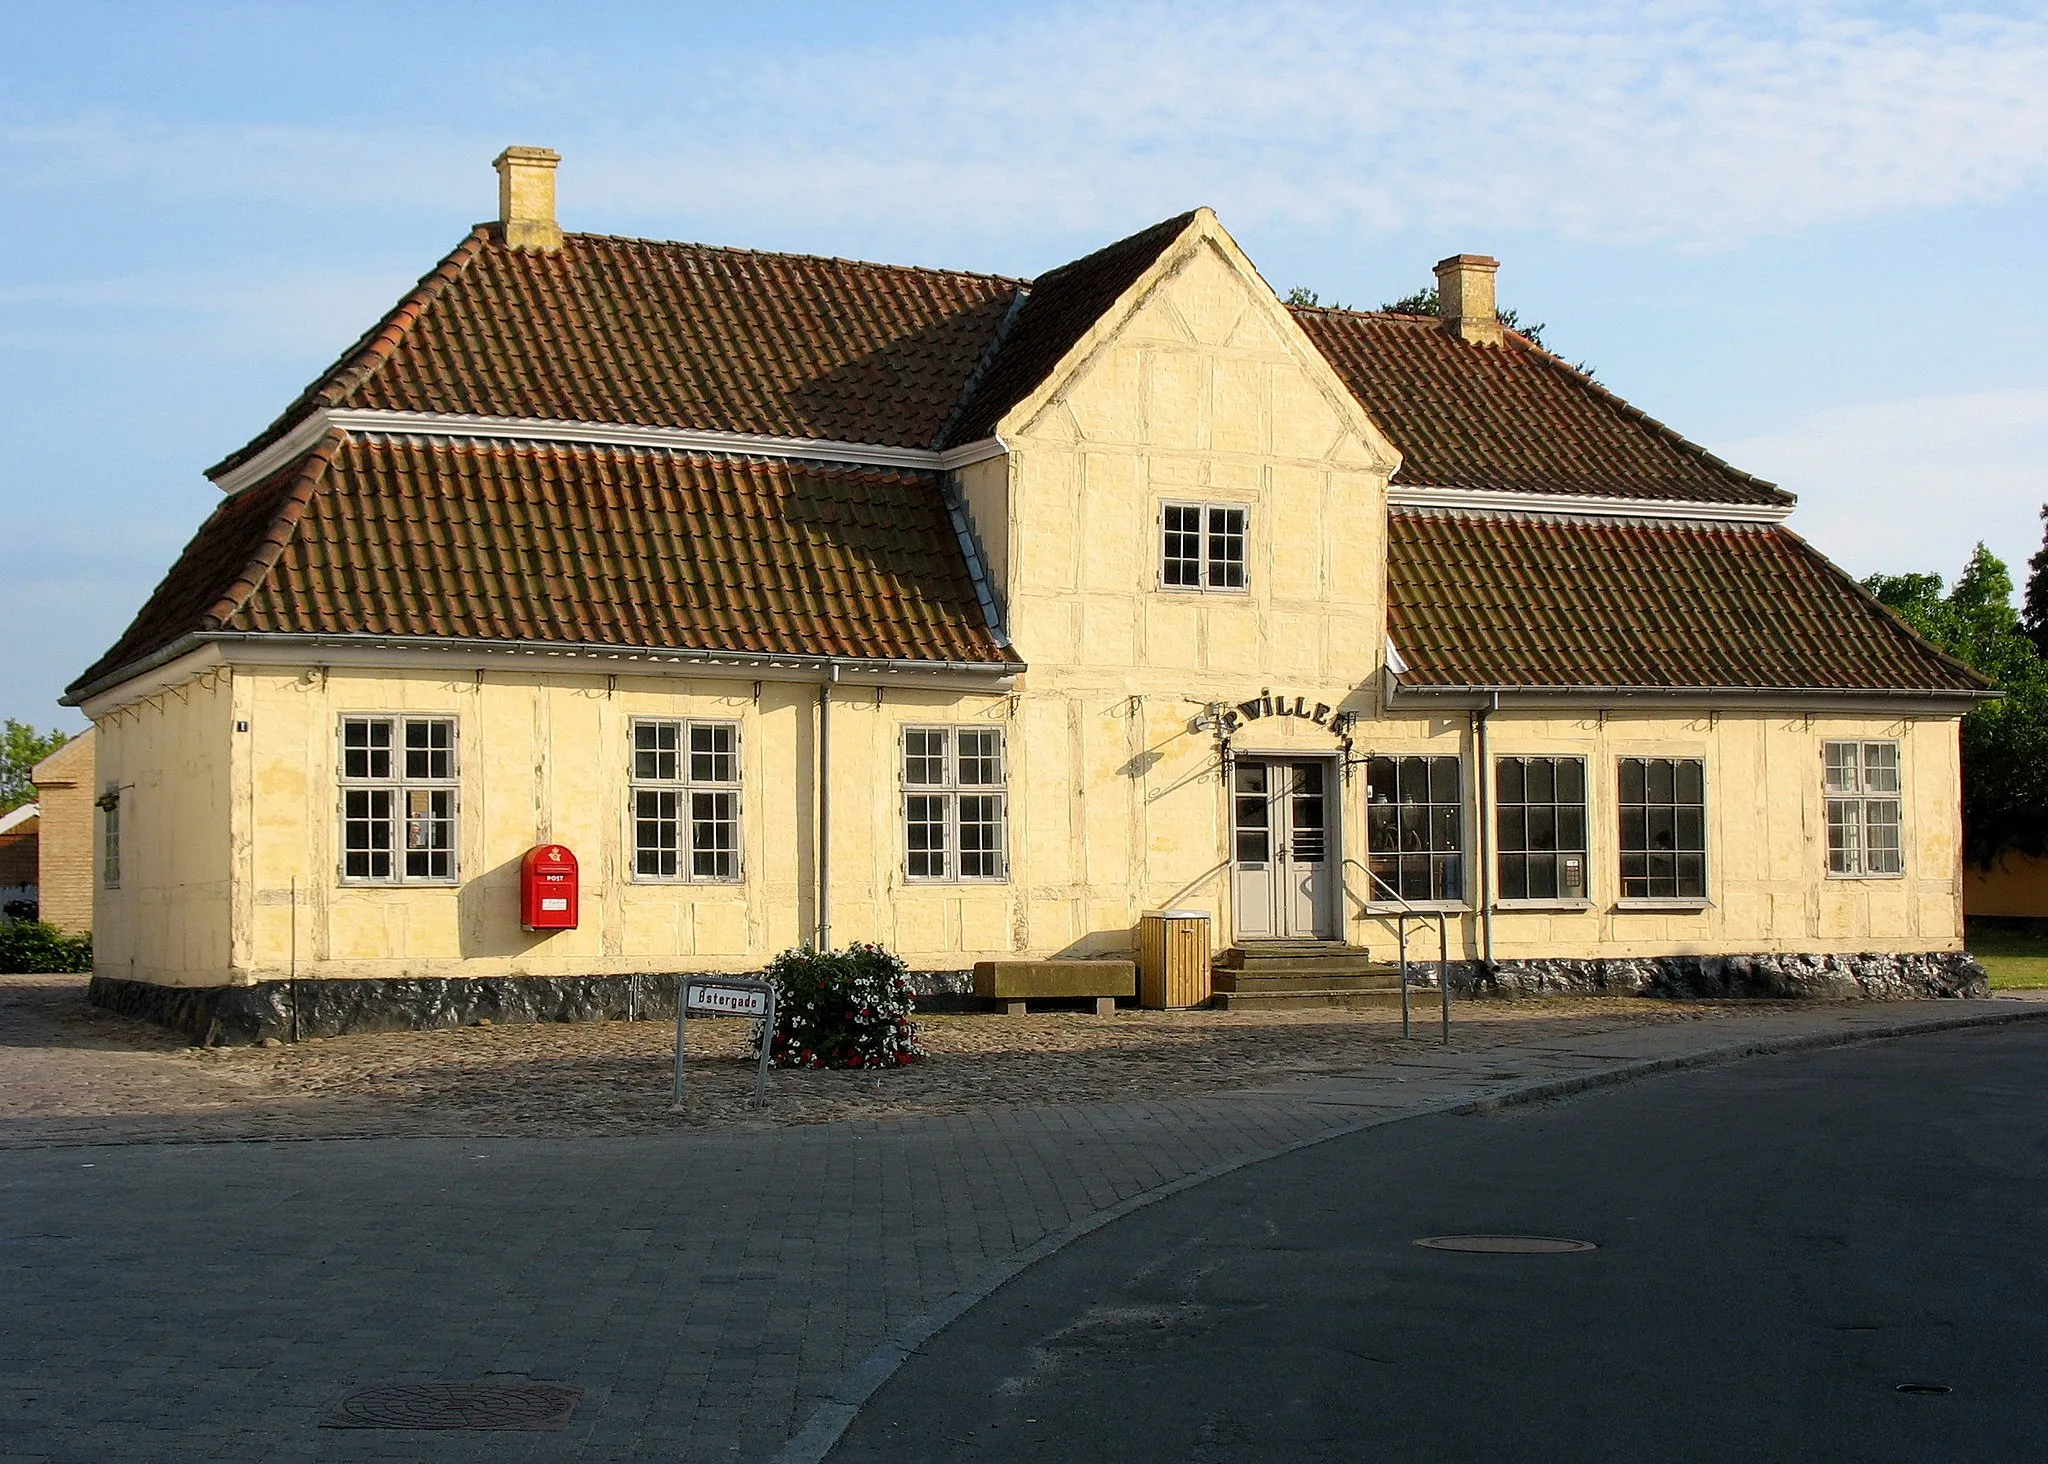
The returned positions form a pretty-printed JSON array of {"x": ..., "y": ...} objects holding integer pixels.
[{"x": 1782, "y": 1243}]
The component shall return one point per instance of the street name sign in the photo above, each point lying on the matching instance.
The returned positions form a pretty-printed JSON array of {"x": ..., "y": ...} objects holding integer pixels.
[{"x": 725, "y": 996}]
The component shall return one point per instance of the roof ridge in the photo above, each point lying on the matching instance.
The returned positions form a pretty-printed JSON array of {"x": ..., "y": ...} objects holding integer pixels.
[
  {"x": 1629, "y": 409},
  {"x": 1367, "y": 314},
  {"x": 970, "y": 274},
  {"x": 370, "y": 350}
]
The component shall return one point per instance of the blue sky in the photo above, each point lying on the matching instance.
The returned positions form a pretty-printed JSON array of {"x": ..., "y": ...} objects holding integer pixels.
[{"x": 1807, "y": 236}]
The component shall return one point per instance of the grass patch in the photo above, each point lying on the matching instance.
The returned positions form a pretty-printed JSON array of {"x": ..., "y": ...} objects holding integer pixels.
[{"x": 2015, "y": 958}]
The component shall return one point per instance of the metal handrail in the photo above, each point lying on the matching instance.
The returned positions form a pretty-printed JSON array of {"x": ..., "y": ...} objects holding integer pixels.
[{"x": 1402, "y": 916}]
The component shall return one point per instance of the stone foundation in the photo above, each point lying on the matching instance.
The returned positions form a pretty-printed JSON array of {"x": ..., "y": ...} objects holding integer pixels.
[
  {"x": 233, "y": 1016},
  {"x": 236, "y": 1016},
  {"x": 1866, "y": 977}
]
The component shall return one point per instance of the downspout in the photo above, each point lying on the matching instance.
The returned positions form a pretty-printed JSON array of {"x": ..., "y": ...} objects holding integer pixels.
[
  {"x": 1485, "y": 841},
  {"x": 825, "y": 809}
]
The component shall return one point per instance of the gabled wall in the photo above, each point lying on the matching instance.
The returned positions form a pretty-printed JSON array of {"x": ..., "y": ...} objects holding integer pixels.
[
  {"x": 65, "y": 788},
  {"x": 1197, "y": 387}
]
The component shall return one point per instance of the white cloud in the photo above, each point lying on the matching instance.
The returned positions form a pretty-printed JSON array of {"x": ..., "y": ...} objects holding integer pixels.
[
  {"x": 1913, "y": 485},
  {"x": 1691, "y": 123}
]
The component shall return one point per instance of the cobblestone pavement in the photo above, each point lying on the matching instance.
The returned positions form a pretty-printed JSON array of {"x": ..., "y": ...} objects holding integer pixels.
[
  {"x": 77, "y": 1074},
  {"x": 709, "y": 1287}
]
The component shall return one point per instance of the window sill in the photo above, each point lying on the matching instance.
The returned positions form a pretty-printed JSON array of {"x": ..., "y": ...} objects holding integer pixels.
[
  {"x": 1517, "y": 906},
  {"x": 399, "y": 884},
  {"x": 1855, "y": 878},
  {"x": 1205, "y": 590},
  {"x": 1669, "y": 907},
  {"x": 1385, "y": 908},
  {"x": 659, "y": 882}
]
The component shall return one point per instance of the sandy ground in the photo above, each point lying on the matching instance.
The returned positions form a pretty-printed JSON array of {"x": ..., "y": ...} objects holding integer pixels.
[{"x": 70, "y": 1073}]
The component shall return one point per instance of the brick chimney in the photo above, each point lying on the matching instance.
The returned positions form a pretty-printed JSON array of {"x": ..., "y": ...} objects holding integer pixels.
[
  {"x": 1464, "y": 293},
  {"x": 526, "y": 198}
]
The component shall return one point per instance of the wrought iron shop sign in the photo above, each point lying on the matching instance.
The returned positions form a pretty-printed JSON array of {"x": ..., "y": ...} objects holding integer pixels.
[{"x": 1230, "y": 719}]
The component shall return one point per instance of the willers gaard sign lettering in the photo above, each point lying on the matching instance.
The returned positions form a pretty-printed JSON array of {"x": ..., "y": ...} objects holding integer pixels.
[
  {"x": 725, "y": 996},
  {"x": 1268, "y": 705}
]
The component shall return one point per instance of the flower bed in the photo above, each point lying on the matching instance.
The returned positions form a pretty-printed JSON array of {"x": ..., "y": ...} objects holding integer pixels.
[{"x": 842, "y": 1009}]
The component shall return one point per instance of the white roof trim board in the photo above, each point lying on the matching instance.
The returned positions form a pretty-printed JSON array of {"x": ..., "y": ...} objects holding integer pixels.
[
  {"x": 1584, "y": 505},
  {"x": 316, "y": 424}
]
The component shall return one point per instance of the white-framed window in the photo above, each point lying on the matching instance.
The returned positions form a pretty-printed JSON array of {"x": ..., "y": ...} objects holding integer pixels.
[
  {"x": 1540, "y": 815},
  {"x": 686, "y": 800},
  {"x": 954, "y": 804},
  {"x": 398, "y": 798},
  {"x": 1202, "y": 546},
  {"x": 1861, "y": 780},
  {"x": 110, "y": 839},
  {"x": 1415, "y": 828},
  {"x": 1662, "y": 805}
]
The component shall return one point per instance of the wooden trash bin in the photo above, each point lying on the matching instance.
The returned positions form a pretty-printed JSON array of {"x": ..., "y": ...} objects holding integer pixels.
[{"x": 1173, "y": 959}]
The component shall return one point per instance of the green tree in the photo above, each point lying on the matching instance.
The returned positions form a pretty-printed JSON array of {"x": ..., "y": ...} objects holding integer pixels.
[
  {"x": 21, "y": 748},
  {"x": 2004, "y": 742},
  {"x": 2034, "y": 614}
]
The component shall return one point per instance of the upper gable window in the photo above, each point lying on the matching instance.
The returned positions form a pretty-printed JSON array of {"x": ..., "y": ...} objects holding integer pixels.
[{"x": 1202, "y": 546}]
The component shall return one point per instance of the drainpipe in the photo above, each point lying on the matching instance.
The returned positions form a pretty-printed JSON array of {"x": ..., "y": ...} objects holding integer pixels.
[
  {"x": 825, "y": 809},
  {"x": 1485, "y": 839}
]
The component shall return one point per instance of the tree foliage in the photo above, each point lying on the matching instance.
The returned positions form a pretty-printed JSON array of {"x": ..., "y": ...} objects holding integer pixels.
[
  {"x": 21, "y": 748},
  {"x": 2005, "y": 742},
  {"x": 33, "y": 948}
]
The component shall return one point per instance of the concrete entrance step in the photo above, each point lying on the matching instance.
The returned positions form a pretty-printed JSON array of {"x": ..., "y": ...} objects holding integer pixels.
[
  {"x": 1347, "y": 974},
  {"x": 1251, "y": 955},
  {"x": 1267, "y": 1001}
]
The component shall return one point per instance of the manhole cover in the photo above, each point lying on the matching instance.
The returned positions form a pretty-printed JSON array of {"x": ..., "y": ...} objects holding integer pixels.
[
  {"x": 1506, "y": 1245},
  {"x": 541, "y": 1407}
]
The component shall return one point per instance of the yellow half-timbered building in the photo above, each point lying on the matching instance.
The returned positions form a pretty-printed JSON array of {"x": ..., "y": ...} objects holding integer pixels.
[{"x": 803, "y": 600}]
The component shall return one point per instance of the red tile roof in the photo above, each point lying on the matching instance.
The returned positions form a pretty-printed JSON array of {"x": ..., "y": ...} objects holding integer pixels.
[
  {"x": 1498, "y": 602},
  {"x": 1056, "y": 312},
  {"x": 615, "y": 547},
  {"x": 641, "y": 333},
  {"x": 646, "y": 550},
  {"x": 1512, "y": 417},
  {"x": 673, "y": 335}
]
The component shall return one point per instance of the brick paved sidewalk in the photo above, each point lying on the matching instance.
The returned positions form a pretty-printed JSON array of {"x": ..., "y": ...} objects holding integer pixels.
[{"x": 709, "y": 1289}]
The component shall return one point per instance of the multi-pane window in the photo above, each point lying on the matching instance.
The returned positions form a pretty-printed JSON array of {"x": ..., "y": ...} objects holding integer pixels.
[
  {"x": 1663, "y": 809},
  {"x": 686, "y": 800},
  {"x": 1540, "y": 817},
  {"x": 110, "y": 839},
  {"x": 953, "y": 803},
  {"x": 398, "y": 798},
  {"x": 1862, "y": 786},
  {"x": 1415, "y": 824},
  {"x": 1202, "y": 546}
]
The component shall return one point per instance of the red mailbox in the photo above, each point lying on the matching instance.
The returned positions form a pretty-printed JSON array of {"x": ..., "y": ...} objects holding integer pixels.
[{"x": 548, "y": 892}]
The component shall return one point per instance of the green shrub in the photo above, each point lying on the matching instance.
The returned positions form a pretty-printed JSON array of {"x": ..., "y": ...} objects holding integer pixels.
[
  {"x": 31, "y": 947},
  {"x": 842, "y": 1009}
]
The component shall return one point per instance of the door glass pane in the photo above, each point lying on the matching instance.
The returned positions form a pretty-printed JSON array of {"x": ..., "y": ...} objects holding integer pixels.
[{"x": 1306, "y": 836}]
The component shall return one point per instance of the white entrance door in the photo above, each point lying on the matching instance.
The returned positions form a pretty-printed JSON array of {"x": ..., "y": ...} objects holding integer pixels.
[{"x": 1281, "y": 849}]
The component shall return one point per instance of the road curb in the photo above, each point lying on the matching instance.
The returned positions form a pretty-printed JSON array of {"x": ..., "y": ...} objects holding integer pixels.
[{"x": 822, "y": 1431}]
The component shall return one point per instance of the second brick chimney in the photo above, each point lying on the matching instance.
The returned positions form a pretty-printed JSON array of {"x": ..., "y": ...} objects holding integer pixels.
[
  {"x": 1464, "y": 293},
  {"x": 526, "y": 198}
]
